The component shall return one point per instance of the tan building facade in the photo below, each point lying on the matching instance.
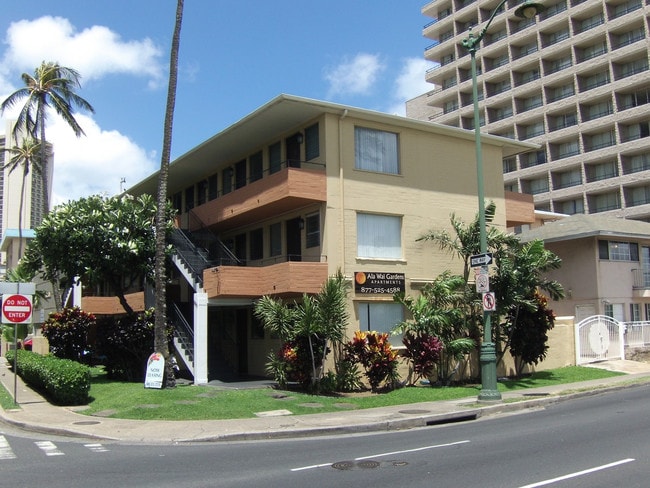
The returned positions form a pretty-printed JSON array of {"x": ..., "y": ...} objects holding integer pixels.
[
  {"x": 11, "y": 188},
  {"x": 574, "y": 80},
  {"x": 300, "y": 189},
  {"x": 605, "y": 266}
]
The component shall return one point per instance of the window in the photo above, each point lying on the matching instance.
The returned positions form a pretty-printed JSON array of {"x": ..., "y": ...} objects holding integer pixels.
[
  {"x": 381, "y": 317},
  {"x": 618, "y": 251},
  {"x": 604, "y": 202},
  {"x": 567, "y": 179},
  {"x": 213, "y": 189},
  {"x": 567, "y": 149},
  {"x": 312, "y": 144},
  {"x": 201, "y": 189},
  {"x": 636, "y": 163},
  {"x": 635, "y": 312},
  {"x": 571, "y": 207},
  {"x": 596, "y": 80},
  {"x": 226, "y": 179},
  {"x": 256, "y": 166},
  {"x": 240, "y": 174},
  {"x": 375, "y": 150},
  {"x": 177, "y": 202},
  {"x": 275, "y": 157},
  {"x": 312, "y": 230},
  {"x": 598, "y": 110},
  {"x": 189, "y": 197},
  {"x": 509, "y": 165},
  {"x": 601, "y": 171},
  {"x": 615, "y": 311},
  {"x": 639, "y": 195},
  {"x": 256, "y": 250},
  {"x": 240, "y": 247},
  {"x": 275, "y": 239},
  {"x": 379, "y": 236}
]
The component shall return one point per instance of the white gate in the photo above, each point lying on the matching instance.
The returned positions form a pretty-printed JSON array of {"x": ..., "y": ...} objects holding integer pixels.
[{"x": 599, "y": 338}]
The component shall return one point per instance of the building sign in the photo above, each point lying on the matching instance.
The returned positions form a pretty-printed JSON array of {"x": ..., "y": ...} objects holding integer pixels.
[{"x": 378, "y": 283}]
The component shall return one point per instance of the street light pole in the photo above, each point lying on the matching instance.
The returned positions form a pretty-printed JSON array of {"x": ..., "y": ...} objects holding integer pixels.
[{"x": 489, "y": 391}]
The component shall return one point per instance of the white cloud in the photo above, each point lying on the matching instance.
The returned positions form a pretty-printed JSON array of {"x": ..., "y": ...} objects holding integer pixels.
[
  {"x": 95, "y": 52},
  {"x": 410, "y": 83},
  {"x": 94, "y": 163},
  {"x": 354, "y": 76}
]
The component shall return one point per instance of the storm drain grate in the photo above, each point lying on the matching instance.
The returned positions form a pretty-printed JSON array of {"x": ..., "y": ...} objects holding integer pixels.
[
  {"x": 348, "y": 465},
  {"x": 87, "y": 422}
]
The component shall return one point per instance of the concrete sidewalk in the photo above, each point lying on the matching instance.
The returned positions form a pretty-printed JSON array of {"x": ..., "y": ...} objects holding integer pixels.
[{"x": 37, "y": 415}]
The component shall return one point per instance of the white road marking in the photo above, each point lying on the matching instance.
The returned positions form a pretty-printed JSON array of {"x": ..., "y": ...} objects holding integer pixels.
[
  {"x": 49, "y": 448},
  {"x": 96, "y": 447},
  {"x": 313, "y": 466},
  {"x": 5, "y": 449},
  {"x": 579, "y": 473}
]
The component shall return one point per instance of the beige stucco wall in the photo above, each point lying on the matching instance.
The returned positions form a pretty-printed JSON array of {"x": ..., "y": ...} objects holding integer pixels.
[{"x": 424, "y": 195}]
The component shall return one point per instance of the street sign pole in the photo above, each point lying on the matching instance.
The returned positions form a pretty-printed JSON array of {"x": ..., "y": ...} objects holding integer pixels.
[{"x": 16, "y": 309}]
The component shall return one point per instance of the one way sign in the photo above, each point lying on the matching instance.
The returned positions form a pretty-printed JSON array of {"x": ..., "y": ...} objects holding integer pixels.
[{"x": 477, "y": 260}]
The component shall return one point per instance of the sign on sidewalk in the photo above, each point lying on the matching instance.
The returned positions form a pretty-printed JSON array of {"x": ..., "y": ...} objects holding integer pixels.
[{"x": 155, "y": 371}]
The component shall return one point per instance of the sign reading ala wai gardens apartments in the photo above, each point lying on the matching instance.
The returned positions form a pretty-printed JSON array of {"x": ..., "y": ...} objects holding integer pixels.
[{"x": 366, "y": 283}]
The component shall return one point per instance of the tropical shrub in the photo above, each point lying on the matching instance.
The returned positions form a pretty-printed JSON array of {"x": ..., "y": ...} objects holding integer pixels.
[
  {"x": 423, "y": 352},
  {"x": 373, "y": 352},
  {"x": 529, "y": 340},
  {"x": 308, "y": 331},
  {"x": 125, "y": 344},
  {"x": 67, "y": 333}
]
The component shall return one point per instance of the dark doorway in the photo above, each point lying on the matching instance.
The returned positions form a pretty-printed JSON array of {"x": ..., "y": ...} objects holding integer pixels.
[
  {"x": 242, "y": 340},
  {"x": 294, "y": 244}
]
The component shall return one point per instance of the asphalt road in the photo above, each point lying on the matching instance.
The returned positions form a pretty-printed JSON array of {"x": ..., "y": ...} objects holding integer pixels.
[{"x": 597, "y": 441}]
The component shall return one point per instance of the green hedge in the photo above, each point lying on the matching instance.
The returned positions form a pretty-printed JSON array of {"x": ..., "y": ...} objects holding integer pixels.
[{"x": 65, "y": 382}]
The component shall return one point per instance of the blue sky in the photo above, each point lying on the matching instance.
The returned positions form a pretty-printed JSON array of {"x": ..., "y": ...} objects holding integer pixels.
[{"x": 235, "y": 56}]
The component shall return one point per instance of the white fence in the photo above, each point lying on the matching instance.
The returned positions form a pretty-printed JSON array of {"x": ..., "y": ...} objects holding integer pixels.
[
  {"x": 599, "y": 338},
  {"x": 637, "y": 334}
]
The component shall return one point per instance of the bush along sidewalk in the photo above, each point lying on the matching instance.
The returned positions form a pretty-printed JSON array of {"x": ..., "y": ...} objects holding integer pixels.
[{"x": 63, "y": 381}]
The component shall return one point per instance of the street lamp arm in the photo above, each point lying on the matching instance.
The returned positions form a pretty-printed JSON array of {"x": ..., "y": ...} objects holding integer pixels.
[
  {"x": 527, "y": 10},
  {"x": 471, "y": 42}
]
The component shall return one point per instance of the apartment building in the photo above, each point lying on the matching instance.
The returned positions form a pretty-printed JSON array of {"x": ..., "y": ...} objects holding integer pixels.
[
  {"x": 574, "y": 80},
  {"x": 299, "y": 189},
  {"x": 11, "y": 182}
]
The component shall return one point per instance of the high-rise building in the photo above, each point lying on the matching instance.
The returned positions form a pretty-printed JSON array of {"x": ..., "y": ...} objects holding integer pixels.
[
  {"x": 11, "y": 188},
  {"x": 575, "y": 80}
]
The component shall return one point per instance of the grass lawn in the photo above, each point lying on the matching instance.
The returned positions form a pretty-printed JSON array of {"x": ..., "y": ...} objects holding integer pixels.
[{"x": 189, "y": 402}]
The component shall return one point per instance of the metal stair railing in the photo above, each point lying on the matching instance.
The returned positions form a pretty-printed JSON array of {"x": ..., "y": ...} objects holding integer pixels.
[
  {"x": 184, "y": 334},
  {"x": 194, "y": 258},
  {"x": 204, "y": 238}
]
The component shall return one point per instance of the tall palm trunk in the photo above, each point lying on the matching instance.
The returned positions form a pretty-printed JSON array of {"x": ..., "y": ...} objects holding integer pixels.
[{"x": 160, "y": 317}]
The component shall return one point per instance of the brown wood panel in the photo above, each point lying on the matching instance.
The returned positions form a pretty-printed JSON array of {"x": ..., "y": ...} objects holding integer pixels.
[
  {"x": 278, "y": 279},
  {"x": 111, "y": 305}
]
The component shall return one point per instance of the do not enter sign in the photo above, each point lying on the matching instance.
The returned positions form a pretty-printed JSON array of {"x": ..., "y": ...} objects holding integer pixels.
[{"x": 16, "y": 309}]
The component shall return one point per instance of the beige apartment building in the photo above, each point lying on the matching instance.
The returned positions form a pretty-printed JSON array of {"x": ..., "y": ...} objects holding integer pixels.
[
  {"x": 300, "y": 189},
  {"x": 574, "y": 80},
  {"x": 11, "y": 183}
]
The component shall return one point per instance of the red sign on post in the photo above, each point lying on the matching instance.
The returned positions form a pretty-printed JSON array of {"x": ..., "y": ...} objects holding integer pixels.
[{"x": 16, "y": 309}]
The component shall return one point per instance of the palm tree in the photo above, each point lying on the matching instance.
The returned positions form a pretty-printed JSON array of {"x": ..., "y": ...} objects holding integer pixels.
[
  {"x": 25, "y": 155},
  {"x": 160, "y": 315},
  {"x": 51, "y": 86}
]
